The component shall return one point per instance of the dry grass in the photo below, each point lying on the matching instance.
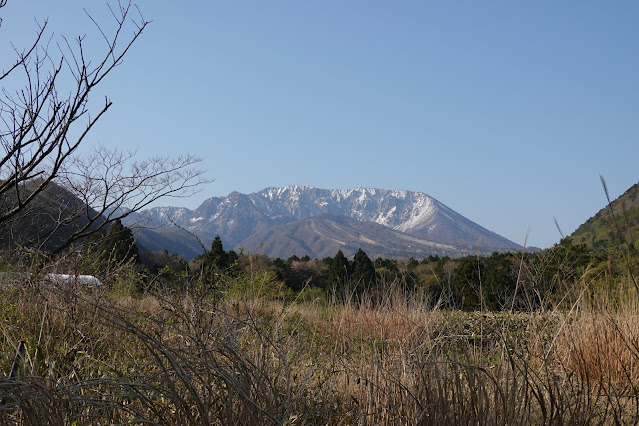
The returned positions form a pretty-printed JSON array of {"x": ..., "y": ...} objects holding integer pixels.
[{"x": 95, "y": 357}]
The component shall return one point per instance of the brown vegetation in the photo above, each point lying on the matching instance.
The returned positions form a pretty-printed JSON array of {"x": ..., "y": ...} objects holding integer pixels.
[{"x": 190, "y": 357}]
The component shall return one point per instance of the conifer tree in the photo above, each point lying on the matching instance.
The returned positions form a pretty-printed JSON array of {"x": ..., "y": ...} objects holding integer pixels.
[
  {"x": 118, "y": 245},
  {"x": 216, "y": 258},
  {"x": 339, "y": 269},
  {"x": 363, "y": 268}
]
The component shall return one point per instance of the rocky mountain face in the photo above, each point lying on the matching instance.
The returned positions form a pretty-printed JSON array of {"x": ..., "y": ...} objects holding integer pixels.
[{"x": 399, "y": 223}]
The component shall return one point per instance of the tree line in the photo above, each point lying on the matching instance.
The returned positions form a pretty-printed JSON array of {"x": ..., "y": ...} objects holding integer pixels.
[{"x": 501, "y": 281}]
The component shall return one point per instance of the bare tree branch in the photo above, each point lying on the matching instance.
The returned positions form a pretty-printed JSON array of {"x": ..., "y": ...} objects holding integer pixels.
[
  {"x": 3, "y": 3},
  {"x": 112, "y": 184},
  {"x": 50, "y": 196},
  {"x": 38, "y": 123}
]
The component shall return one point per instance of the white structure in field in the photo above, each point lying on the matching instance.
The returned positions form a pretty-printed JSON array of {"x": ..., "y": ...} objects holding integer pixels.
[{"x": 88, "y": 280}]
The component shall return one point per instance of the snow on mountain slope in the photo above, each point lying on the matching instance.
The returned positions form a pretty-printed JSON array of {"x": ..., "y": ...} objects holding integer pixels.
[{"x": 239, "y": 216}]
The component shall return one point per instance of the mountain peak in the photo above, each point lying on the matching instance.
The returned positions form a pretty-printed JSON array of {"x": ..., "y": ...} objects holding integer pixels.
[
  {"x": 239, "y": 217},
  {"x": 274, "y": 192}
]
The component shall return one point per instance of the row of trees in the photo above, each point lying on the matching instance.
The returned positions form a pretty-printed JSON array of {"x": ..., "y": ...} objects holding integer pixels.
[{"x": 500, "y": 281}]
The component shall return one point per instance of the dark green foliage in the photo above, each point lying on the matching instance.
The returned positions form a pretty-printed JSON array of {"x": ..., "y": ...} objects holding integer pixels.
[
  {"x": 552, "y": 273},
  {"x": 118, "y": 245},
  {"x": 281, "y": 267},
  {"x": 411, "y": 264},
  {"x": 231, "y": 258},
  {"x": 307, "y": 274},
  {"x": 160, "y": 262},
  {"x": 467, "y": 283},
  {"x": 566, "y": 260},
  {"x": 389, "y": 264},
  {"x": 340, "y": 269},
  {"x": 500, "y": 281},
  {"x": 499, "y": 277},
  {"x": 430, "y": 259},
  {"x": 438, "y": 269},
  {"x": 386, "y": 269},
  {"x": 615, "y": 225},
  {"x": 363, "y": 269},
  {"x": 485, "y": 282},
  {"x": 428, "y": 279},
  {"x": 217, "y": 259},
  {"x": 216, "y": 264}
]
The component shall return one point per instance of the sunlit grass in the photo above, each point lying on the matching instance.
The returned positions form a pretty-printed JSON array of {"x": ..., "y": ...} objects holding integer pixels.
[{"x": 189, "y": 357}]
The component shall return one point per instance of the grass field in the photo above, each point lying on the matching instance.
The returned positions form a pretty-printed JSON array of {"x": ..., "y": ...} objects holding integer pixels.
[{"x": 101, "y": 356}]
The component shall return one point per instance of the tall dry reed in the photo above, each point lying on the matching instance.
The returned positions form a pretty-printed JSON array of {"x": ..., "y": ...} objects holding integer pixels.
[{"x": 387, "y": 357}]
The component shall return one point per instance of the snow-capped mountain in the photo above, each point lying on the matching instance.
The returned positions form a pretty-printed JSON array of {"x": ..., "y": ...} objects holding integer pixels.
[{"x": 238, "y": 217}]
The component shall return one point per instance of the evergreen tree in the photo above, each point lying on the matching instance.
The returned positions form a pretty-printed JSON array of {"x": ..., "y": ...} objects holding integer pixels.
[
  {"x": 486, "y": 282},
  {"x": 386, "y": 269},
  {"x": 118, "y": 245},
  {"x": 467, "y": 283},
  {"x": 339, "y": 270},
  {"x": 363, "y": 268},
  {"x": 216, "y": 258},
  {"x": 411, "y": 264},
  {"x": 232, "y": 257}
]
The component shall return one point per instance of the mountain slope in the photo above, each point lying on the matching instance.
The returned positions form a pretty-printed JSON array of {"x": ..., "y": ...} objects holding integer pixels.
[
  {"x": 323, "y": 235},
  {"x": 599, "y": 232},
  {"x": 173, "y": 241},
  {"x": 46, "y": 223},
  {"x": 237, "y": 218}
]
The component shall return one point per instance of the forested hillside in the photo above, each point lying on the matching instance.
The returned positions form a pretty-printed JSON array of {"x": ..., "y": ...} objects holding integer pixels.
[{"x": 613, "y": 226}]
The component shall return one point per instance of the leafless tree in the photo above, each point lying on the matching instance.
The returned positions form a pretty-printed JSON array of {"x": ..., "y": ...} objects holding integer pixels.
[
  {"x": 43, "y": 123},
  {"x": 112, "y": 183}
]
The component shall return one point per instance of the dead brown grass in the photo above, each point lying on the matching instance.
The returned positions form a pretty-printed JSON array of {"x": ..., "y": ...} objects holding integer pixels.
[{"x": 95, "y": 356}]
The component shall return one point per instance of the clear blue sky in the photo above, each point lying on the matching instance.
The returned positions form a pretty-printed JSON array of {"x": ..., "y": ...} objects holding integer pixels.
[{"x": 507, "y": 112}]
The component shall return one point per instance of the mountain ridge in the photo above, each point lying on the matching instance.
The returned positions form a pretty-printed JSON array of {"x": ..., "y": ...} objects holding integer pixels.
[{"x": 239, "y": 217}]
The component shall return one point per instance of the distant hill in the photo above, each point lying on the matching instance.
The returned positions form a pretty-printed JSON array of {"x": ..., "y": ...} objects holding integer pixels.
[
  {"x": 46, "y": 222},
  {"x": 599, "y": 231},
  {"x": 272, "y": 221},
  {"x": 171, "y": 240}
]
